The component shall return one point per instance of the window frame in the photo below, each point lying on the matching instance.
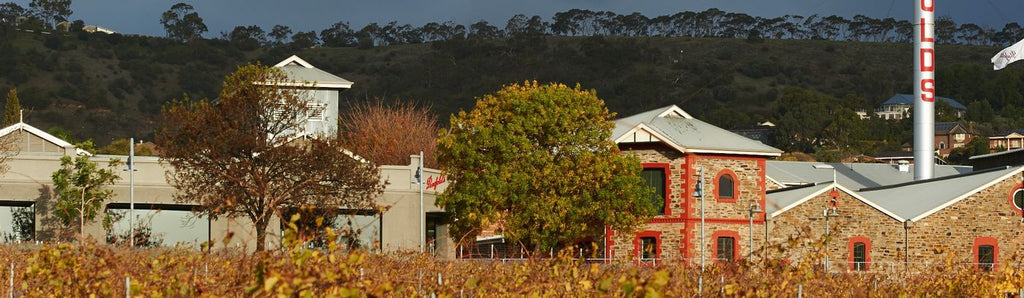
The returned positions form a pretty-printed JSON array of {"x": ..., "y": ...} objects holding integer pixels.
[
  {"x": 638, "y": 256},
  {"x": 981, "y": 242},
  {"x": 1017, "y": 189},
  {"x": 667, "y": 174},
  {"x": 736, "y": 246},
  {"x": 726, "y": 173},
  {"x": 852, "y": 262}
]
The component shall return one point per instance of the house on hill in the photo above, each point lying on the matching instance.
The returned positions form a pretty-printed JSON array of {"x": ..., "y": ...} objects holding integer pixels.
[
  {"x": 898, "y": 106},
  {"x": 1006, "y": 141},
  {"x": 681, "y": 156}
]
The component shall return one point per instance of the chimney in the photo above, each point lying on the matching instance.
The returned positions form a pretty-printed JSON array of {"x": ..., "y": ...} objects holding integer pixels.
[
  {"x": 924, "y": 91},
  {"x": 903, "y": 166}
]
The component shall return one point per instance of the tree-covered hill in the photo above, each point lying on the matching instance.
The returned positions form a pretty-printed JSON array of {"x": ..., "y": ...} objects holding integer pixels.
[{"x": 106, "y": 87}]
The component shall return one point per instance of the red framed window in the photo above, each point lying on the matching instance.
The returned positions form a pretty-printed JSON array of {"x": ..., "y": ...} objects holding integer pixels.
[
  {"x": 986, "y": 253},
  {"x": 647, "y": 246},
  {"x": 860, "y": 253},
  {"x": 656, "y": 175},
  {"x": 1017, "y": 199},
  {"x": 727, "y": 187},
  {"x": 725, "y": 246}
]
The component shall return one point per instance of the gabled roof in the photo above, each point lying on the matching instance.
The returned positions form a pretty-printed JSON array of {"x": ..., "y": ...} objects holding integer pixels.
[
  {"x": 782, "y": 200},
  {"x": 21, "y": 126},
  {"x": 919, "y": 199},
  {"x": 949, "y": 127},
  {"x": 305, "y": 75},
  {"x": 677, "y": 129},
  {"x": 852, "y": 175},
  {"x": 908, "y": 99},
  {"x": 1014, "y": 133}
]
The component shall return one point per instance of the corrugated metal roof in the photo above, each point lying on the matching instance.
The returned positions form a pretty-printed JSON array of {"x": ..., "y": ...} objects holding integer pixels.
[
  {"x": 690, "y": 134},
  {"x": 784, "y": 198},
  {"x": 851, "y": 175},
  {"x": 919, "y": 199},
  {"x": 908, "y": 99},
  {"x": 304, "y": 74}
]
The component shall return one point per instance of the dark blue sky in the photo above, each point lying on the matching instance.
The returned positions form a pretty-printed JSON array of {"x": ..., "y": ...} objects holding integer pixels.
[{"x": 142, "y": 16}]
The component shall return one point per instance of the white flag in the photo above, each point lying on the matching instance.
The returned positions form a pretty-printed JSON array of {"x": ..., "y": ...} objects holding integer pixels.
[{"x": 1008, "y": 55}]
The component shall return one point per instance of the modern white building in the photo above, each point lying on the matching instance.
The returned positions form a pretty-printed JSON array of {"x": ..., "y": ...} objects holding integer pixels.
[{"x": 27, "y": 198}]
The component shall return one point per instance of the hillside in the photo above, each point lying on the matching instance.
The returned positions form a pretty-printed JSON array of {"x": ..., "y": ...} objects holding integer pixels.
[{"x": 106, "y": 87}]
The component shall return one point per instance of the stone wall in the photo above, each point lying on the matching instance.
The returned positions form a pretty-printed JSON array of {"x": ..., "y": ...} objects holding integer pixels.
[
  {"x": 952, "y": 231},
  {"x": 679, "y": 229},
  {"x": 798, "y": 234}
]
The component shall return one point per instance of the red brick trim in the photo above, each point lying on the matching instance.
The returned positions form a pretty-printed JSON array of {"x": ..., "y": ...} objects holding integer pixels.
[
  {"x": 636, "y": 244},
  {"x": 1012, "y": 205},
  {"x": 978, "y": 242},
  {"x": 735, "y": 186},
  {"x": 708, "y": 220},
  {"x": 867, "y": 252},
  {"x": 736, "y": 247},
  {"x": 668, "y": 183}
]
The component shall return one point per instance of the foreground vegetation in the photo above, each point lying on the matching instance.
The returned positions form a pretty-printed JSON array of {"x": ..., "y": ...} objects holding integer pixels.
[{"x": 67, "y": 270}]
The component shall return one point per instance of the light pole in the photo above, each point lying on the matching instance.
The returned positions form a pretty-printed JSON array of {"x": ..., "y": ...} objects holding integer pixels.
[
  {"x": 828, "y": 212},
  {"x": 755, "y": 208},
  {"x": 423, "y": 229},
  {"x": 131, "y": 192},
  {"x": 698, "y": 192}
]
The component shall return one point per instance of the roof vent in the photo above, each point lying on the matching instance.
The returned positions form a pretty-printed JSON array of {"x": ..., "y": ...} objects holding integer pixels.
[{"x": 903, "y": 166}]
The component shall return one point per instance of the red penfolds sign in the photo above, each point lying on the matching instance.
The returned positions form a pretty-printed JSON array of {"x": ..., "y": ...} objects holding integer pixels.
[{"x": 433, "y": 182}]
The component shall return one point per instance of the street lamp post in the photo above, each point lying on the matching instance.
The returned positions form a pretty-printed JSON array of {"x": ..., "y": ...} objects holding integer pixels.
[
  {"x": 828, "y": 212},
  {"x": 698, "y": 192},
  {"x": 131, "y": 192},
  {"x": 422, "y": 217},
  {"x": 755, "y": 208}
]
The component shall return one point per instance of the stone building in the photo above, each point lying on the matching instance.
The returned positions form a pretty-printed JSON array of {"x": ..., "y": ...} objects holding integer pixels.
[
  {"x": 681, "y": 154},
  {"x": 876, "y": 222}
]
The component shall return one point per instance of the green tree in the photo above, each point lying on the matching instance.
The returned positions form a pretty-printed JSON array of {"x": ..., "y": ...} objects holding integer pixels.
[
  {"x": 51, "y": 11},
  {"x": 247, "y": 155},
  {"x": 12, "y": 108},
  {"x": 539, "y": 160},
  {"x": 182, "y": 23},
  {"x": 801, "y": 115},
  {"x": 79, "y": 185}
]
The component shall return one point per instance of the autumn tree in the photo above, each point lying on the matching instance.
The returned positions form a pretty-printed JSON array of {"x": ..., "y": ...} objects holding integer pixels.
[
  {"x": 182, "y": 23},
  {"x": 539, "y": 159},
  {"x": 80, "y": 188},
  {"x": 388, "y": 134},
  {"x": 12, "y": 108},
  {"x": 246, "y": 154}
]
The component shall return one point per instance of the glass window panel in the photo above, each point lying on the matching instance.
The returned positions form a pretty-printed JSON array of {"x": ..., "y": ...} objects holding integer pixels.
[{"x": 656, "y": 178}]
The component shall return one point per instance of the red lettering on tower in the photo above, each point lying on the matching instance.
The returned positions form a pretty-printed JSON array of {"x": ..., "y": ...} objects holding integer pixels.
[
  {"x": 928, "y": 90},
  {"x": 924, "y": 34},
  {"x": 927, "y": 60},
  {"x": 928, "y": 5}
]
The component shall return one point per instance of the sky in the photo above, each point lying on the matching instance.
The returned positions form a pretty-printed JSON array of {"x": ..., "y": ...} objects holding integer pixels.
[{"x": 142, "y": 16}]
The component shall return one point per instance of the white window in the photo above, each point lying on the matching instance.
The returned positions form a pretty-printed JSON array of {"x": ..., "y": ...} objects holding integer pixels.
[{"x": 315, "y": 111}]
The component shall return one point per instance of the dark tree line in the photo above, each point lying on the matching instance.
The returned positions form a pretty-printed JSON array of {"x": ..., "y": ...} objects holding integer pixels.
[{"x": 581, "y": 22}]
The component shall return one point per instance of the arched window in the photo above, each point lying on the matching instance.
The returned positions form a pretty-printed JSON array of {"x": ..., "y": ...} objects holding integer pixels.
[{"x": 726, "y": 186}]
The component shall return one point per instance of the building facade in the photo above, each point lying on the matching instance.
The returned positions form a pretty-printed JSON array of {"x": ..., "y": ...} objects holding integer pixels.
[{"x": 682, "y": 156}]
